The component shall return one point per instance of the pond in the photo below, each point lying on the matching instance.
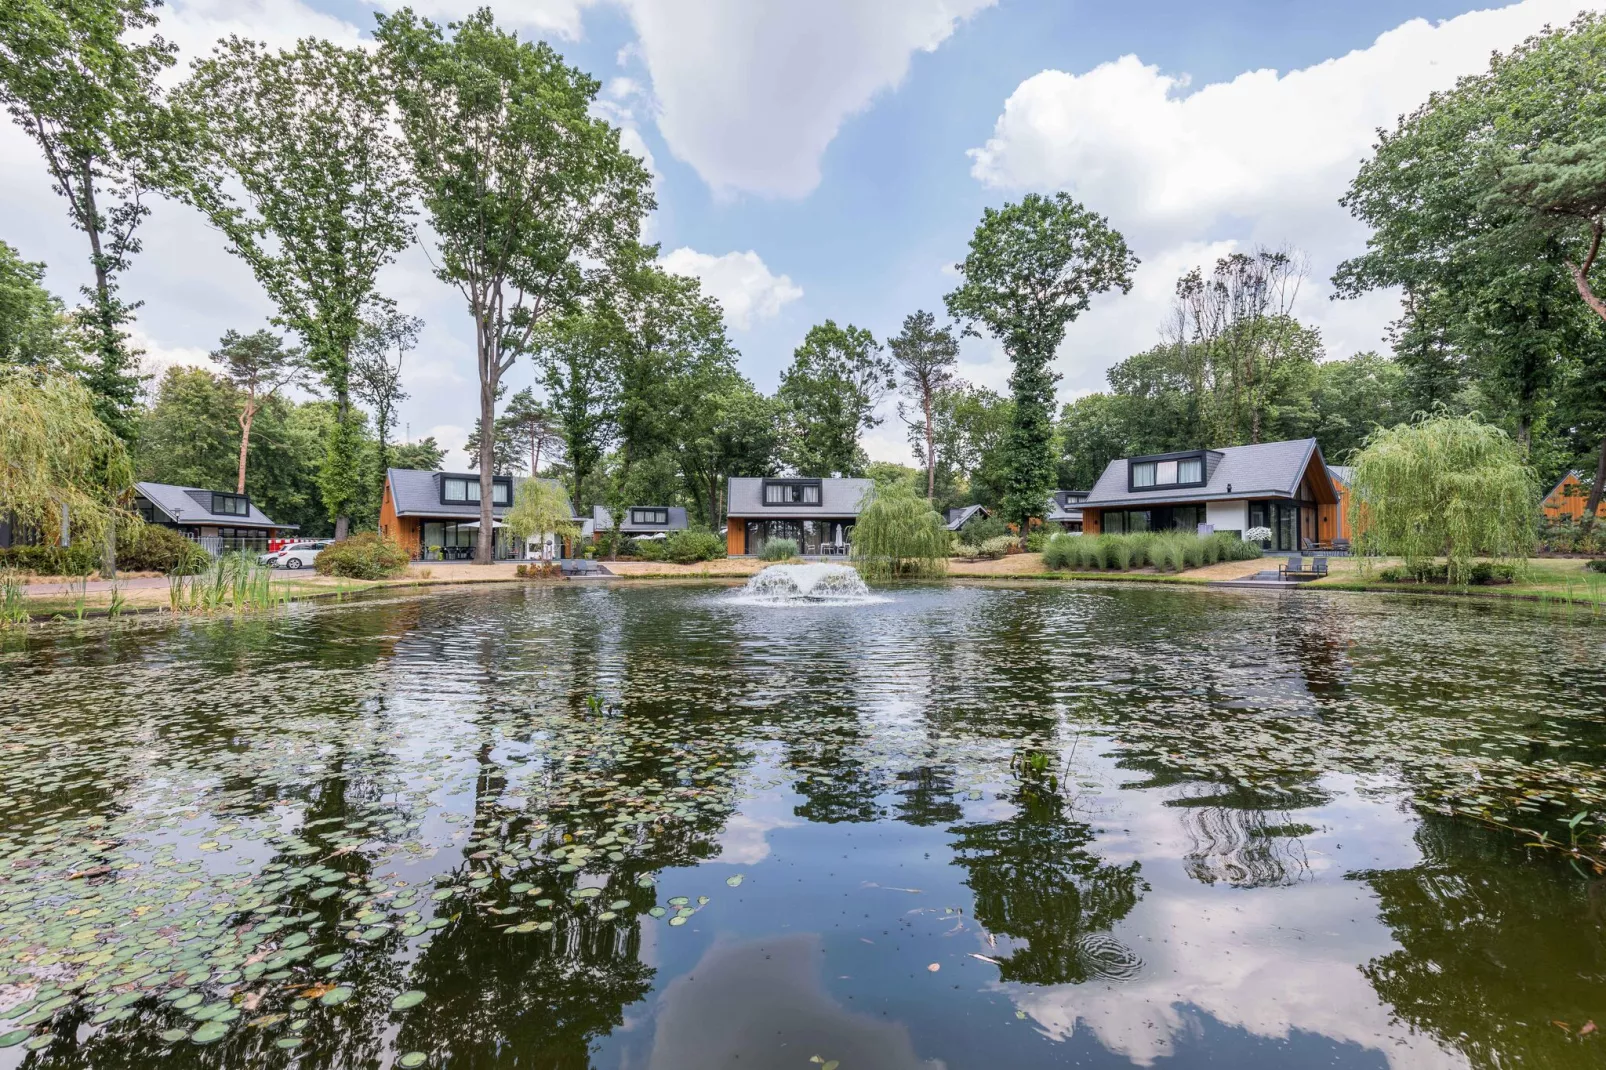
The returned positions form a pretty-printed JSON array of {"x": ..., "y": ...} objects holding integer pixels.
[{"x": 663, "y": 827}]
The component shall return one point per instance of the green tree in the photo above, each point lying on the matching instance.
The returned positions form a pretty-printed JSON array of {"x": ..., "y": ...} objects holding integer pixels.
[
  {"x": 1093, "y": 431},
  {"x": 1032, "y": 269},
  {"x": 925, "y": 356},
  {"x": 829, "y": 394},
  {"x": 258, "y": 366},
  {"x": 60, "y": 461},
  {"x": 899, "y": 534},
  {"x": 376, "y": 377},
  {"x": 539, "y": 508},
  {"x": 307, "y": 137},
  {"x": 1355, "y": 397},
  {"x": 531, "y": 427},
  {"x": 34, "y": 328},
  {"x": 521, "y": 182},
  {"x": 573, "y": 360},
  {"x": 79, "y": 77},
  {"x": 425, "y": 455},
  {"x": 970, "y": 430},
  {"x": 1486, "y": 198},
  {"x": 735, "y": 431},
  {"x": 1444, "y": 486}
]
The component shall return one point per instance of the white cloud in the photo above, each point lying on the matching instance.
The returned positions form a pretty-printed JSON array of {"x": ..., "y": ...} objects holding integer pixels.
[
  {"x": 561, "y": 18},
  {"x": 1262, "y": 158},
  {"x": 744, "y": 286},
  {"x": 156, "y": 358},
  {"x": 452, "y": 439},
  {"x": 751, "y": 94}
]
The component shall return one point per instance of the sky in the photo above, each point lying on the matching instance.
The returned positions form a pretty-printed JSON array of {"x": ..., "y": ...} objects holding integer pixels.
[{"x": 829, "y": 159}]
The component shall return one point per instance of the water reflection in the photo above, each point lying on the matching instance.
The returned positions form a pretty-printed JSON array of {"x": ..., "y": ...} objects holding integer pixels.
[{"x": 651, "y": 827}]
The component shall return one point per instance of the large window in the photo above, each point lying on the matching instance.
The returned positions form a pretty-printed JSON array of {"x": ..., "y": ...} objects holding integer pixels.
[
  {"x": 1145, "y": 473},
  {"x": 791, "y": 492},
  {"x": 1185, "y": 518},
  {"x": 650, "y": 517},
  {"x": 230, "y": 504},
  {"x": 465, "y": 490},
  {"x": 1282, "y": 519},
  {"x": 813, "y": 537}
]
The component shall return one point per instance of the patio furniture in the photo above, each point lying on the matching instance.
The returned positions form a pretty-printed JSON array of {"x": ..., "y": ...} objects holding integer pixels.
[
  {"x": 1294, "y": 565},
  {"x": 1296, "y": 570},
  {"x": 1341, "y": 546}
]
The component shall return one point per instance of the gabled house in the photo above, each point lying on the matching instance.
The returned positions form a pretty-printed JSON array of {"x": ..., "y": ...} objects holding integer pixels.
[
  {"x": 1567, "y": 499},
  {"x": 958, "y": 518},
  {"x": 435, "y": 516},
  {"x": 640, "y": 520},
  {"x": 217, "y": 519},
  {"x": 817, "y": 513},
  {"x": 1285, "y": 487}
]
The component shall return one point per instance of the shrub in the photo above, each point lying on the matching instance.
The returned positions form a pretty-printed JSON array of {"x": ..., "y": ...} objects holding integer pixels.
[
  {"x": 80, "y": 558},
  {"x": 1060, "y": 553},
  {"x": 1597, "y": 565},
  {"x": 982, "y": 528},
  {"x": 159, "y": 549},
  {"x": 1166, "y": 552},
  {"x": 778, "y": 550},
  {"x": 1482, "y": 573},
  {"x": 689, "y": 547},
  {"x": 652, "y": 549},
  {"x": 995, "y": 548},
  {"x": 369, "y": 556},
  {"x": 522, "y": 572},
  {"x": 1036, "y": 540}
]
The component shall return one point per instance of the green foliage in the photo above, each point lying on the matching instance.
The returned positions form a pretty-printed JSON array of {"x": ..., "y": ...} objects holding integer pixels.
[
  {"x": 1444, "y": 486},
  {"x": 365, "y": 556},
  {"x": 924, "y": 356},
  {"x": 978, "y": 529},
  {"x": 899, "y": 534},
  {"x": 155, "y": 548},
  {"x": 778, "y": 550},
  {"x": 308, "y": 135},
  {"x": 1482, "y": 573},
  {"x": 1032, "y": 268},
  {"x": 1596, "y": 565},
  {"x": 971, "y": 429},
  {"x": 540, "y": 508},
  {"x": 34, "y": 328},
  {"x": 80, "y": 78},
  {"x": 55, "y": 453},
  {"x": 80, "y": 559},
  {"x": 1163, "y": 551},
  {"x": 829, "y": 395},
  {"x": 689, "y": 547},
  {"x": 425, "y": 455}
]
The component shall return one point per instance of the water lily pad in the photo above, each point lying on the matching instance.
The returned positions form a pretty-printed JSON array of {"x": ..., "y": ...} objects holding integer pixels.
[
  {"x": 323, "y": 962},
  {"x": 412, "y": 1059},
  {"x": 210, "y": 1032},
  {"x": 657, "y": 912},
  {"x": 287, "y": 1043},
  {"x": 17, "y": 1036},
  {"x": 410, "y": 998},
  {"x": 734, "y": 882},
  {"x": 172, "y": 1036},
  {"x": 679, "y": 901},
  {"x": 335, "y": 996},
  {"x": 678, "y": 919}
]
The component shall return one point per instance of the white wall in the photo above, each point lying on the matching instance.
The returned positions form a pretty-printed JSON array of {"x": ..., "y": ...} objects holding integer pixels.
[{"x": 1228, "y": 515}]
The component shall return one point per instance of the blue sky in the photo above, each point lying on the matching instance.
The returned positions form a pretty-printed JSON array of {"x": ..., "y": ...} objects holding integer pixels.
[{"x": 829, "y": 158}]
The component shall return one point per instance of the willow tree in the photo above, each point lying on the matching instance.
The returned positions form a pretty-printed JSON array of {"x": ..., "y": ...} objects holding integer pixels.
[
  {"x": 523, "y": 185},
  {"x": 539, "y": 508},
  {"x": 1444, "y": 486},
  {"x": 295, "y": 158},
  {"x": 60, "y": 465},
  {"x": 899, "y": 534}
]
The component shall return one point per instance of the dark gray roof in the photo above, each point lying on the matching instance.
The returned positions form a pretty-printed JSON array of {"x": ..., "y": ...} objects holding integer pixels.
[
  {"x": 838, "y": 498},
  {"x": 418, "y": 493},
  {"x": 193, "y": 505},
  {"x": 958, "y": 518},
  {"x": 1344, "y": 473},
  {"x": 1269, "y": 469},
  {"x": 603, "y": 519},
  {"x": 1065, "y": 505}
]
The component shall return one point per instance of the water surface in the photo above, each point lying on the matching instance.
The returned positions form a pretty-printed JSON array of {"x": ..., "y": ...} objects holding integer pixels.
[{"x": 656, "y": 827}]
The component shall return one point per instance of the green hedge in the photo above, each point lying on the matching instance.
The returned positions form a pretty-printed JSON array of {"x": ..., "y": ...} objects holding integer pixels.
[
  {"x": 1483, "y": 573},
  {"x": 1597, "y": 565},
  {"x": 1165, "y": 552},
  {"x": 159, "y": 549},
  {"x": 76, "y": 560},
  {"x": 689, "y": 547},
  {"x": 368, "y": 556}
]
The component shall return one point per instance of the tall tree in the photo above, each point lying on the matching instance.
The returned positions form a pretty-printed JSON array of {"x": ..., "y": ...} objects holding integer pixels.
[
  {"x": 306, "y": 136},
  {"x": 376, "y": 367},
  {"x": 573, "y": 358},
  {"x": 521, "y": 182},
  {"x": 259, "y": 366},
  {"x": 829, "y": 394},
  {"x": 969, "y": 426},
  {"x": 1489, "y": 192},
  {"x": 531, "y": 427},
  {"x": 34, "y": 328},
  {"x": 924, "y": 355},
  {"x": 1032, "y": 269},
  {"x": 79, "y": 77},
  {"x": 733, "y": 430}
]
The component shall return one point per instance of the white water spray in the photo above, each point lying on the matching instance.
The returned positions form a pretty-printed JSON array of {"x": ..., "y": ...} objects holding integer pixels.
[{"x": 813, "y": 584}]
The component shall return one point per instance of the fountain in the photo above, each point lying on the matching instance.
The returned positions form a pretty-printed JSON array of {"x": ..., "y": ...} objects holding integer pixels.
[{"x": 811, "y": 584}]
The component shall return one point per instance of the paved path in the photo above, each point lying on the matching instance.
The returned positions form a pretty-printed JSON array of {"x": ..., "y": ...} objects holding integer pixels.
[{"x": 70, "y": 588}]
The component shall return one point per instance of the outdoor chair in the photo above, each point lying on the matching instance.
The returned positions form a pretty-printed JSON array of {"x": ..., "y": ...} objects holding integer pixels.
[
  {"x": 1341, "y": 546},
  {"x": 1294, "y": 566},
  {"x": 1296, "y": 570}
]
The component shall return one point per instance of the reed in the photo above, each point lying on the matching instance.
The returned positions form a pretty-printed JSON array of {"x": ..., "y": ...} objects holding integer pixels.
[{"x": 13, "y": 606}]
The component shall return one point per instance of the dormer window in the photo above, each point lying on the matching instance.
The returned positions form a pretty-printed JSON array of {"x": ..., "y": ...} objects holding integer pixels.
[
  {"x": 791, "y": 492},
  {"x": 465, "y": 490},
  {"x": 230, "y": 504},
  {"x": 1174, "y": 470},
  {"x": 650, "y": 517}
]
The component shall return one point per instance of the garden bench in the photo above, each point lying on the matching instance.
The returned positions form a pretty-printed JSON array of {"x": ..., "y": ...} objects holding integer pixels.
[{"x": 1295, "y": 569}]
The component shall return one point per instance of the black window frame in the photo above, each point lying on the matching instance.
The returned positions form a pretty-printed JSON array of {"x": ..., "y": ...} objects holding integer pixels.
[
  {"x": 797, "y": 486},
  {"x": 655, "y": 516},
  {"x": 222, "y": 496},
  {"x": 504, "y": 484},
  {"x": 1202, "y": 456}
]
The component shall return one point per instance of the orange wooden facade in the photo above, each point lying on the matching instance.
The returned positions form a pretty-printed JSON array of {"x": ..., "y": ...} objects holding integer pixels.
[
  {"x": 1567, "y": 499},
  {"x": 736, "y": 536},
  {"x": 405, "y": 531}
]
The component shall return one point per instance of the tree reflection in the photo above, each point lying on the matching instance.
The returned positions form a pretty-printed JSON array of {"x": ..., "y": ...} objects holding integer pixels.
[
  {"x": 1501, "y": 958},
  {"x": 1035, "y": 881}
]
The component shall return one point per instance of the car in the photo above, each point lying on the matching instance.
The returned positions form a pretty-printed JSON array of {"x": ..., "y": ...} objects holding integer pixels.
[{"x": 299, "y": 555}]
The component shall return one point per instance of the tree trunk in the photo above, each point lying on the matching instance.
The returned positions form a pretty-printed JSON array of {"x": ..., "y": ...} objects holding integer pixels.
[
  {"x": 1580, "y": 272},
  {"x": 931, "y": 449},
  {"x": 246, "y": 416},
  {"x": 1595, "y": 492},
  {"x": 483, "y": 548}
]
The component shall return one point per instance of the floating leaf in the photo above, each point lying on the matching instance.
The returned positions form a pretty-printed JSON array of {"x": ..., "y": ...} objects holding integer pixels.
[
  {"x": 410, "y": 998},
  {"x": 335, "y": 996},
  {"x": 210, "y": 1032},
  {"x": 734, "y": 882},
  {"x": 412, "y": 1059}
]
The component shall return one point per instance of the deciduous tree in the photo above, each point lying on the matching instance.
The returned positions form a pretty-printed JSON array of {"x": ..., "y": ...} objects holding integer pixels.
[
  {"x": 829, "y": 395},
  {"x": 376, "y": 367},
  {"x": 34, "y": 328},
  {"x": 522, "y": 184},
  {"x": 1032, "y": 269}
]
